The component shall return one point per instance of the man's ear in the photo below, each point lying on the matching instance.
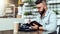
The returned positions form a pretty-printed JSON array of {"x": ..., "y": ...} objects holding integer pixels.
[{"x": 44, "y": 7}]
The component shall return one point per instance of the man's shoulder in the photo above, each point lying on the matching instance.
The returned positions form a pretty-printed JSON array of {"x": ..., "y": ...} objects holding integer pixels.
[{"x": 51, "y": 11}]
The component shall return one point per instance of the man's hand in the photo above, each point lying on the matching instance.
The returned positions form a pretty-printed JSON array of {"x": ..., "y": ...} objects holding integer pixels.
[
  {"x": 41, "y": 29},
  {"x": 35, "y": 26}
]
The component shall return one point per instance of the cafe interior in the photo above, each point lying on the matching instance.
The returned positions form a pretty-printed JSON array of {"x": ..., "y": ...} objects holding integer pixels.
[{"x": 13, "y": 10}]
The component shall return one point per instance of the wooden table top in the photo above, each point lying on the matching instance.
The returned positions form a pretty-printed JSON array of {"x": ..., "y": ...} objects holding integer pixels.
[{"x": 34, "y": 32}]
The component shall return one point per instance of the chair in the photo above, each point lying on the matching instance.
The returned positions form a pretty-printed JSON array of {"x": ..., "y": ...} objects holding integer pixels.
[{"x": 58, "y": 29}]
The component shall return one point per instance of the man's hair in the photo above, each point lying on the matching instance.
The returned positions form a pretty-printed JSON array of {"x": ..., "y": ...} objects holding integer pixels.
[{"x": 39, "y": 1}]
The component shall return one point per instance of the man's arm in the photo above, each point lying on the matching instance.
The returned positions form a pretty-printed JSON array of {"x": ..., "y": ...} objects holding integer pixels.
[{"x": 52, "y": 24}]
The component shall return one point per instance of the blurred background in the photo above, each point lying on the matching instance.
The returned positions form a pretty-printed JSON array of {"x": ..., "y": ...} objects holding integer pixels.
[
  {"x": 25, "y": 8},
  {"x": 12, "y": 8}
]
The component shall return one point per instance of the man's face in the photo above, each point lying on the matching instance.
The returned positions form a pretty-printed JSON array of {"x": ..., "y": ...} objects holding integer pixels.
[{"x": 40, "y": 7}]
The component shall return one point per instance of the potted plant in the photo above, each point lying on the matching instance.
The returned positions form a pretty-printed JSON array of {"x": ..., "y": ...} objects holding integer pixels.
[
  {"x": 56, "y": 12},
  {"x": 28, "y": 13}
]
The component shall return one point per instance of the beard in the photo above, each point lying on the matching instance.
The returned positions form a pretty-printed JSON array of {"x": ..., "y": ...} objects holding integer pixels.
[{"x": 42, "y": 12}]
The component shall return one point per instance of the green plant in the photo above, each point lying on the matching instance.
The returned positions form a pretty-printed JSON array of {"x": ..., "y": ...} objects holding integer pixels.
[
  {"x": 29, "y": 1},
  {"x": 28, "y": 13},
  {"x": 56, "y": 12}
]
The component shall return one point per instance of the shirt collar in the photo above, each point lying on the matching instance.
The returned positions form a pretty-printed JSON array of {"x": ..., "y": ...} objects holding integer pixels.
[{"x": 47, "y": 12}]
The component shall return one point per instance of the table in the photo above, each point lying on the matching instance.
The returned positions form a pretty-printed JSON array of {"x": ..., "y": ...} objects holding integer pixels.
[
  {"x": 6, "y": 32},
  {"x": 34, "y": 32}
]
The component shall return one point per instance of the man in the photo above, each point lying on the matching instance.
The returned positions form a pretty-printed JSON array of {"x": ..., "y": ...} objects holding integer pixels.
[{"x": 46, "y": 17}]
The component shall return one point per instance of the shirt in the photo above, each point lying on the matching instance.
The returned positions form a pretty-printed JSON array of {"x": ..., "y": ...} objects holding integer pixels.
[{"x": 49, "y": 21}]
